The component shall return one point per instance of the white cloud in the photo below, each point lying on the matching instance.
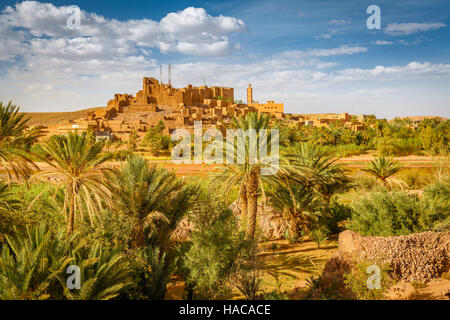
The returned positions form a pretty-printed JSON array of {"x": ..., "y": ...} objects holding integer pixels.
[
  {"x": 382, "y": 42},
  {"x": 397, "y": 29},
  {"x": 340, "y": 21},
  {"x": 190, "y": 31},
  {"x": 342, "y": 50}
]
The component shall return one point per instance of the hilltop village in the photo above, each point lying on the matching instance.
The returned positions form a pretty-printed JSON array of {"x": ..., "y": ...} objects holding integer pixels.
[{"x": 180, "y": 108}]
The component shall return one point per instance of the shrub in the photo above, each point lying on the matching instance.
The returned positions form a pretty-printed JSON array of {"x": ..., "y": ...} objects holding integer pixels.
[
  {"x": 345, "y": 150},
  {"x": 415, "y": 179},
  {"x": 388, "y": 146},
  {"x": 248, "y": 277},
  {"x": 357, "y": 280},
  {"x": 154, "y": 271},
  {"x": 365, "y": 182},
  {"x": 338, "y": 214},
  {"x": 156, "y": 140},
  {"x": 320, "y": 235},
  {"x": 436, "y": 203},
  {"x": 292, "y": 238},
  {"x": 216, "y": 243},
  {"x": 385, "y": 213}
]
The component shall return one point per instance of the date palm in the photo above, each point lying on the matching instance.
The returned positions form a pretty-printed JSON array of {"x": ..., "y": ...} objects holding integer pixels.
[
  {"x": 8, "y": 207},
  {"x": 105, "y": 274},
  {"x": 296, "y": 201},
  {"x": 148, "y": 195},
  {"x": 31, "y": 264},
  {"x": 14, "y": 142},
  {"x": 316, "y": 169},
  {"x": 246, "y": 169},
  {"x": 383, "y": 169},
  {"x": 77, "y": 162}
]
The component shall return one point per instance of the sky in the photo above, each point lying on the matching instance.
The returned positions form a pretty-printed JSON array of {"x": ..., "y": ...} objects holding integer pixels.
[{"x": 315, "y": 56}]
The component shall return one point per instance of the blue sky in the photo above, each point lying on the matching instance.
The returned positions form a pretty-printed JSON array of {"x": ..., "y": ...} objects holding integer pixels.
[{"x": 316, "y": 56}]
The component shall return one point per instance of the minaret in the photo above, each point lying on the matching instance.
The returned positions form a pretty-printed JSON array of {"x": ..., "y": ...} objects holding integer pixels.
[{"x": 249, "y": 94}]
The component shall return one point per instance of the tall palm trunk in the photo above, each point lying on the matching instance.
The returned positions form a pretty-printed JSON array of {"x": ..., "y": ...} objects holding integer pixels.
[
  {"x": 252, "y": 196},
  {"x": 71, "y": 209},
  {"x": 243, "y": 202},
  {"x": 294, "y": 226}
]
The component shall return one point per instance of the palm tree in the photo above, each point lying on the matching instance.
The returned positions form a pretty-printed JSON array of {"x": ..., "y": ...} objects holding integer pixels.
[
  {"x": 8, "y": 206},
  {"x": 148, "y": 195},
  {"x": 30, "y": 265},
  {"x": 298, "y": 202},
  {"x": 246, "y": 171},
  {"x": 77, "y": 161},
  {"x": 316, "y": 169},
  {"x": 383, "y": 168},
  {"x": 105, "y": 274},
  {"x": 14, "y": 142}
]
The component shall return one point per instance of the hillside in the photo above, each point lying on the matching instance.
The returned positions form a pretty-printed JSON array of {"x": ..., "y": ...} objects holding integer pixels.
[{"x": 45, "y": 118}]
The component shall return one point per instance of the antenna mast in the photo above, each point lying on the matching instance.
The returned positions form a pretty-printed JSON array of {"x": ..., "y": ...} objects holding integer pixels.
[{"x": 170, "y": 75}]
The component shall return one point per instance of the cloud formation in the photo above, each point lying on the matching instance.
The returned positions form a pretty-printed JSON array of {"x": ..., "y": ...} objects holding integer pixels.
[
  {"x": 400, "y": 29},
  {"x": 32, "y": 25}
]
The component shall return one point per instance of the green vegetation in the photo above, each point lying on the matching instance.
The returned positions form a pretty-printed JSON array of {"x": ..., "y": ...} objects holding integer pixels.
[
  {"x": 399, "y": 137},
  {"x": 133, "y": 229},
  {"x": 383, "y": 213},
  {"x": 356, "y": 280},
  {"x": 155, "y": 140}
]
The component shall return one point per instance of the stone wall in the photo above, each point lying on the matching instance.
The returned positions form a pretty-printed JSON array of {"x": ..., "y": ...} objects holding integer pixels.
[{"x": 420, "y": 256}]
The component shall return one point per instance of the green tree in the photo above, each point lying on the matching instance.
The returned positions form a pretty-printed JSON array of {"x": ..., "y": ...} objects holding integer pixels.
[
  {"x": 298, "y": 202},
  {"x": 15, "y": 142},
  {"x": 383, "y": 169},
  {"x": 384, "y": 213},
  {"x": 8, "y": 209},
  {"x": 78, "y": 162},
  {"x": 147, "y": 195},
  {"x": 156, "y": 140},
  {"x": 318, "y": 170},
  {"x": 249, "y": 169}
]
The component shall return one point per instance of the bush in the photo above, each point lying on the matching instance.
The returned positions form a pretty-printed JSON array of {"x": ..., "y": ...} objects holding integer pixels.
[
  {"x": 216, "y": 243},
  {"x": 398, "y": 146},
  {"x": 365, "y": 182},
  {"x": 345, "y": 150},
  {"x": 357, "y": 280},
  {"x": 415, "y": 179},
  {"x": 154, "y": 271},
  {"x": 338, "y": 214},
  {"x": 436, "y": 203},
  {"x": 385, "y": 213},
  {"x": 320, "y": 235},
  {"x": 156, "y": 140}
]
